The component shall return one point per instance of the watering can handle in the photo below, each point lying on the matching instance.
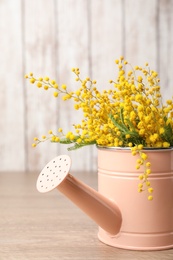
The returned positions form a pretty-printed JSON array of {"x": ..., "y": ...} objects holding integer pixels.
[{"x": 103, "y": 211}]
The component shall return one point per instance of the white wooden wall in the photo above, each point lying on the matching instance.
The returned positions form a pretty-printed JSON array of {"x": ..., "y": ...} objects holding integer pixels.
[{"x": 49, "y": 37}]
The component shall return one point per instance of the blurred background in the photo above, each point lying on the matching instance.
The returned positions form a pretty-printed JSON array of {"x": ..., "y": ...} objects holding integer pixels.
[{"x": 48, "y": 38}]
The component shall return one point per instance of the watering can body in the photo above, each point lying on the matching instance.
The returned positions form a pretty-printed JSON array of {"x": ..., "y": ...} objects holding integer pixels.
[
  {"x": 146, "y": 225},
  {"x": 126, "y": 218}
]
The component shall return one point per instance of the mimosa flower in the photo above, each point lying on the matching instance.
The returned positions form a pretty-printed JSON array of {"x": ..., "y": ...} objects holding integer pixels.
[{"x": 130, "y": 114}]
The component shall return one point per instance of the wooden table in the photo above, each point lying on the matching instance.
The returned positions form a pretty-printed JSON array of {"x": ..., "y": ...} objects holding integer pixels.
[{"x": 48, "y": 226}]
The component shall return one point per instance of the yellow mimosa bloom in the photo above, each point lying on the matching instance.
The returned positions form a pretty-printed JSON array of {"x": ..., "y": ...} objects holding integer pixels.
[
  {"x": 64, "y": 87},
  {"x": 150, "y": 197},
  {"x": 150, "y": 190},
  {"x": 39, "y": 84},
  {"x": 148, "y": 171},
  {"x": 144, "y": 156},
  {"x": 140, "y": 146},
  {"x": 55, "y": 94},
  {"x": 166, "y": 144},
  {"x": 53, "y": 82},
  {"x": 46, "y": 87},
  {"x": 32, "y": 81},
  {"x": 148, "y": 164},
  {"x": 57, "y": 139},
  {"x": 161, "y": 130},
  {"x": 46, "y": 78},
  {"x": 141, "y": 176},
  {"x": 53, "y": 138}
]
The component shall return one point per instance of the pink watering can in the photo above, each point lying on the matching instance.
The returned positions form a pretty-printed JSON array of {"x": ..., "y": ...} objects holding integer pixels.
[
  {"x": 102, "y": 210},
  {"x": 126, "y": 219}
]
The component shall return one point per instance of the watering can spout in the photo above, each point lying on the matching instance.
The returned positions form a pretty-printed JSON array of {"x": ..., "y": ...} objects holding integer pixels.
[{"x": 101, "y": 209}]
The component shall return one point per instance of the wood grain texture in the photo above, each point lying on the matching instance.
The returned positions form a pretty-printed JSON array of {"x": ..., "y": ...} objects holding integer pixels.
[
  {"x": 49, "y": 227},
  {"x": 11, "y": 91},
  {"x": 73, "y": 52},
  {"x": 51, "y": 37},
  {"x": 165, "y": 28},
  {"x": 141, "y": 32},
  {"x": 106, "y": 39},
  {"x": 40, "y": 52}
]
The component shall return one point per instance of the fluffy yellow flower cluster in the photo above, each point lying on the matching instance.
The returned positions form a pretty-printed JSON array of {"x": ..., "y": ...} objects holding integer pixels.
[{"x": 129, "y": 114}]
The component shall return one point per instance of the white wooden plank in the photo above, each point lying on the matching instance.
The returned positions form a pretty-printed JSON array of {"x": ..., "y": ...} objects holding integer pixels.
[
  {"x": 141, "y": 32},
  {"x": 166, "y": 47},
  {"x": 106, "y": 42},
  {"x": 73, "y": 51},
  {"x": 106, "y": 39},
  {"x": 11, "y": 96},
  {"x": 40, "y": 52}
]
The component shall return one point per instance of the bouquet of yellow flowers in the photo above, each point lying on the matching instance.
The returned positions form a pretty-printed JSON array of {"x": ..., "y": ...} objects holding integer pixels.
[{"x": 128, "y": 114}]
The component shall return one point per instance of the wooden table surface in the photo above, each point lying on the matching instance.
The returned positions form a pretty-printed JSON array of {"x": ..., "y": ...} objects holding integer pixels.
[{"x": 48, "y": 226}]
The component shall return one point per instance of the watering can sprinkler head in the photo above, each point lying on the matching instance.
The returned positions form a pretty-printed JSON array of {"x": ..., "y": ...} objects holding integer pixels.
[
  {"x": 53, "y": 173},
  {"x": 101, "y": 209}
]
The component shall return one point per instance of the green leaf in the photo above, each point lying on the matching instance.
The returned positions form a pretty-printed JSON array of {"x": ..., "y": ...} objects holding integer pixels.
[
  {"x": 78, "y": 146},
  {"x": 74, "y": 147},
  {"x": 168, "y": 134},
  {"x": 130, "y": 124},
  {"x": 121, "y": 127},
  {"x": 121, "y": 115},
  {"x": 135, "y": 137},
  {"x": 65, "y": 141}
]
